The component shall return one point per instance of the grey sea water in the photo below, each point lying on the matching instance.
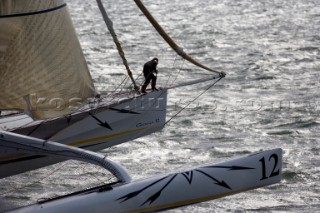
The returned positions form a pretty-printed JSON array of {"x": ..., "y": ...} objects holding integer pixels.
[{"x": 270, "y": 51}]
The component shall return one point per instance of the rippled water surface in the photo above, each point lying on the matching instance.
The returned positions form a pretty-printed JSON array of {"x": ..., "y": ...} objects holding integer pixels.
[{"x": 270, "y": 51}]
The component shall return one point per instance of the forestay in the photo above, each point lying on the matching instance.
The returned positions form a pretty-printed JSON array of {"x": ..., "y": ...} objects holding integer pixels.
[{"x": 42, "y": 67}]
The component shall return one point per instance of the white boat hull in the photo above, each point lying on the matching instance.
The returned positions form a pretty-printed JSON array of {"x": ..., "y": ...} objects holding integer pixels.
[
  {"x": 93, "y": 130},
  {"x": 132, "y": 119},
  {"x": 173, "y": 190}
]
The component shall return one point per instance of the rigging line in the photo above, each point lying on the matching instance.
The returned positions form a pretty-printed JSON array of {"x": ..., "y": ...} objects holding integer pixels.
[
  {"x": 123, "y": 89},
  {"x": 113, "y": 97},
  {"x": 122, "y": 85},
  {"x": 109, "y": 24},
  {"x": 168, "y": 39},
  {"x": 137, "y": 78},
  {"x": 174, "y": 62},
  {"x": 197, "y": 97},
  {"x": 94, "y": 106},
  {"x": 93, "y": 173},
  {"x": 180, "y": 69}
]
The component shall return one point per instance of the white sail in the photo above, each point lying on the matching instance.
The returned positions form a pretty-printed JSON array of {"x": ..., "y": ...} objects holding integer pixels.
[{"x": 42, "y": 66}]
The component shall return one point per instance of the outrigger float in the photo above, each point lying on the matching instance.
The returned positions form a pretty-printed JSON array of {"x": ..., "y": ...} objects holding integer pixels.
[{"x": 202, "y": 183}]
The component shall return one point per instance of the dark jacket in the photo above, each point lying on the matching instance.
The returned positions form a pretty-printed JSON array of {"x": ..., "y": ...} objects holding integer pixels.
[{"x": 149, "y": 68}]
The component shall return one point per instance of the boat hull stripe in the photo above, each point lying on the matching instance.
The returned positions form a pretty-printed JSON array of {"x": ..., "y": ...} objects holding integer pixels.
[
  {"x": 77, "y": 143},
  {"x": 188, "y": 202}
]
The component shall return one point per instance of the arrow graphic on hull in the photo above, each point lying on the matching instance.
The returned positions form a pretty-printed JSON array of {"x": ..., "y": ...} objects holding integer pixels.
[
  {"x": 125, "y": 111},
  {"x": 234, "y": 168},
  {"x": 101, "y": 123},
  {"x": 136, "y": 193},
  {"x": 220, "y": 183},
  {"x": 155, "y": 196},
  {"x": 187, "y": 175}
]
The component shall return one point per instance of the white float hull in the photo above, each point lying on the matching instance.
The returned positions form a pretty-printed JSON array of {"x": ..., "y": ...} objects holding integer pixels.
[{"x": 173, "y": 190}]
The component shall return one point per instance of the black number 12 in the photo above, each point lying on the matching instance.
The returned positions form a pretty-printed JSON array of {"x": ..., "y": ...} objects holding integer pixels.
[{"x": 273, "y": 173}]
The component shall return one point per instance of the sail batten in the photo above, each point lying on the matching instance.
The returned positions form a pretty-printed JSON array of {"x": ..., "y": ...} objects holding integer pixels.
[{"x": 41, "y": 58}]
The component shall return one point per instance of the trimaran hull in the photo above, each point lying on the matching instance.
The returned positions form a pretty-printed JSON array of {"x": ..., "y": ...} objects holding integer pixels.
[
  {"x": 98, "y": 125},
  {"x": 195, "y": 185},
  {"x": 93, "y": 129}
]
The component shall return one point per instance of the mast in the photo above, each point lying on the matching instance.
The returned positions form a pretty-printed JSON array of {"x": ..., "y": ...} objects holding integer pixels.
[{"x": 109, "y": 24}]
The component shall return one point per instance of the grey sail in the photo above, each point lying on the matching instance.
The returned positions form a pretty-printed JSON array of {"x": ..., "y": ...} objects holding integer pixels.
[{"x": 42, "y": 67}]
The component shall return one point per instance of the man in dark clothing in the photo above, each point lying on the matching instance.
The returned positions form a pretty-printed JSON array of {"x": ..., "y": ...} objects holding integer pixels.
[{"x": 149, "y": 69}]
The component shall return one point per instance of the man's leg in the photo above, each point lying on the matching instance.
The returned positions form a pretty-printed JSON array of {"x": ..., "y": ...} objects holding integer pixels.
[
  {"x": 143, "y": 89},
  {"x": 154, "y": 82},
  {"x": 145, "y": 84}
]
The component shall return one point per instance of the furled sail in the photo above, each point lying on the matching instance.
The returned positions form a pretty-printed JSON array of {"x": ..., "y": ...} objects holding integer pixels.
[
  {"x": 168, "y": 39},
  {"x": 42, "y": 67}
]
